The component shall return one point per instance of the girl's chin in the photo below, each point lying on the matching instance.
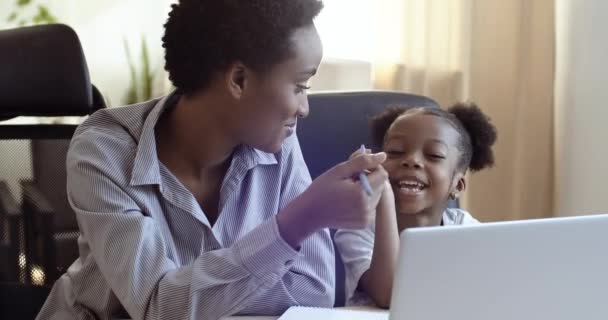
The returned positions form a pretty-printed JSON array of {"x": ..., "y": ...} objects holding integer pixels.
[{"x": 410, "y": 209}]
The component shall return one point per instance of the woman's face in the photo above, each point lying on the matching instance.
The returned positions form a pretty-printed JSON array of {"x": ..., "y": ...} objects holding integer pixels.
[{"x": 273, "y": 101}]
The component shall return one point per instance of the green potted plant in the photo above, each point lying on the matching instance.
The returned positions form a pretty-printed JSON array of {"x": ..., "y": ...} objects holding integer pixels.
[{"x": 30, "y": 12}]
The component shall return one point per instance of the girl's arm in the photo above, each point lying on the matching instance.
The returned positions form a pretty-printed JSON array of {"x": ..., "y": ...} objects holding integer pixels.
[{"x": 377, "y": 281}]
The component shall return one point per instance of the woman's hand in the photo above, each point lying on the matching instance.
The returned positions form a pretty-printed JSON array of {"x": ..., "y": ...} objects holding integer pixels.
[{"x": 336, "y": 199}]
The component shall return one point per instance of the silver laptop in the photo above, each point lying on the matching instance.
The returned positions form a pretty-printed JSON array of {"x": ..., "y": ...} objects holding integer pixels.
[{"x": 547, "y": 269}]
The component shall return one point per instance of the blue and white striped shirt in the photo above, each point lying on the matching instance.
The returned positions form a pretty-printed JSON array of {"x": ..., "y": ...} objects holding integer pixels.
[{"x": 147, "y": 250}]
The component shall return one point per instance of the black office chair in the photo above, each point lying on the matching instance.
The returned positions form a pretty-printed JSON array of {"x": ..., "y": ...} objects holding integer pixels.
[
  {"x": 10, "y": 220},
  {"x": 18, "y": 301},
  {"x": 44, "y": 74},
  {"x": 339, "y": 122}
]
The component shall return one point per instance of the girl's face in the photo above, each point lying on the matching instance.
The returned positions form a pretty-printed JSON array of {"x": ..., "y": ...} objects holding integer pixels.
[
  {"x": 422, "y": 163},
  {"x": 273, "y": 101}
]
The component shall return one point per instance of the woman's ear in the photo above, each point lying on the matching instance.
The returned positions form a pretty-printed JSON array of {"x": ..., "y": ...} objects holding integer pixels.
[{"x": 236, "y": 79}]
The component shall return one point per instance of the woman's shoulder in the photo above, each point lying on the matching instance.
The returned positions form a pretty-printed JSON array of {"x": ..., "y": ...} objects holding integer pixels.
[
  {"x": 125, "y": 123},
  {"x": 456, "y": 216},
  {"x": 108, "y": 141}
]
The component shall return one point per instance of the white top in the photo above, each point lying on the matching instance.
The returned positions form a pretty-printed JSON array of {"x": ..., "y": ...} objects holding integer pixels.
[{"x": 356, "y": 248}]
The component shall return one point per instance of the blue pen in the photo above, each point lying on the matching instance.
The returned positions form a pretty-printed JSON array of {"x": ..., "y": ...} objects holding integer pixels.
[{"x": 363, "y": 178}]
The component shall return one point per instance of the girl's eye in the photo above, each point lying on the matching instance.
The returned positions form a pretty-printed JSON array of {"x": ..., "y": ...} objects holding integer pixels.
[
  {"x": 436, "y": 157},
  {"x": 393, "y": 153}
]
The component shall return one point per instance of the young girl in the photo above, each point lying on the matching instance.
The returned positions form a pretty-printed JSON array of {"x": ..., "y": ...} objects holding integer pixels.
[{"x": 428, "y": 154}]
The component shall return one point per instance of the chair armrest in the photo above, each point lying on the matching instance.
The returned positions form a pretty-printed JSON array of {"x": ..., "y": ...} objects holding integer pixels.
[
  {"x": 8, "y": 204},
  {"x": 35, "y": 200},
  {"x": 39, "y": 225},
  {"x": 10, "y": 215},
  {"x": 11, "y": 231},
  {"x": 19, "y": 301}
]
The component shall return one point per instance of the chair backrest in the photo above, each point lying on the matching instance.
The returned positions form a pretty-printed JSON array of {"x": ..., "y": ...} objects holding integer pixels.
[
  {"x": 44, "y": 75},
  {"x": 338, "y": 123}
]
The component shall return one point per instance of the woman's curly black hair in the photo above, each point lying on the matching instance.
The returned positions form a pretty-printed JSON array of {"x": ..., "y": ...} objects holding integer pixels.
[
  {"x": 477, "y": 133},
  {"x": 203, "y": 37}
]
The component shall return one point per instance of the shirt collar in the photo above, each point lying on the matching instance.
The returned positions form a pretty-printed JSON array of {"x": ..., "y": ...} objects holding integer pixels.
[{"x": 146, "y": 168}]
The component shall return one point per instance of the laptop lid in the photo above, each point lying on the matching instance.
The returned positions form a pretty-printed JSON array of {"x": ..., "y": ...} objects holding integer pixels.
[{"x": 535, "y": 269}]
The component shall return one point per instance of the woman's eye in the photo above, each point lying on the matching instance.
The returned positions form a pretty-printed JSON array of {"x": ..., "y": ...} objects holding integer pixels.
[{"x": 300, "y": 88}]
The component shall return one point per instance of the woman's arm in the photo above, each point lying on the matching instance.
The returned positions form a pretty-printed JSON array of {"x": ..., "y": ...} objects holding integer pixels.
[{"x": 128, "y": 248}]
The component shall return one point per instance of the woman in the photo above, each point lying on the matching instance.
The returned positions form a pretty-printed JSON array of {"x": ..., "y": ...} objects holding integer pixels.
[{"x": 199, "y": 205}]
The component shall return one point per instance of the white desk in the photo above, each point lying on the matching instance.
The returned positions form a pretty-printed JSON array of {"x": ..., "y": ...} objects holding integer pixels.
[
  {"x": 251, "y": 318},
  {"x": 277, "y": 317}
]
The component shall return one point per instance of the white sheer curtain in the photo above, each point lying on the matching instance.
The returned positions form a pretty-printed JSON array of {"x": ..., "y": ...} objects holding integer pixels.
[
  {"x": 423, "y": 47},
  {"x": 581, "y": 112},
  {"x": 417, "y": 46}
]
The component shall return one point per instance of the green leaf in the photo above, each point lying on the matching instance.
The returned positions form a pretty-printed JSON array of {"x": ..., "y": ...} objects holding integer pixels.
[
  {"x": 43, "y": 11},
  {"x": 44, "y": 15},
  {"x": 23, "y": 3},
  {"x": 146, "y": 74},
  {"x": 132, "y": 96},
  {"x": 12, "y": 17}
]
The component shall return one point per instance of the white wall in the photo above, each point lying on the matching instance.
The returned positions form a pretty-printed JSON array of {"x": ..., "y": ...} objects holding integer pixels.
[
  {"x": 102, "y": 26},
  {"x": 581, "y": 97},
  {"x": 340, "y": 74}
]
